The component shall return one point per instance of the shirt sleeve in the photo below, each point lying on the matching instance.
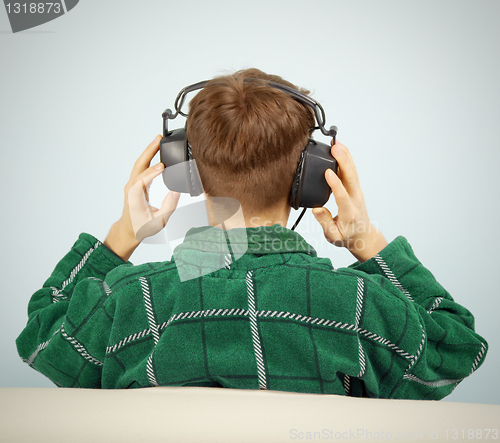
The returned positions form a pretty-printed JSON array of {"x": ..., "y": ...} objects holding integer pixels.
[
  {"x": 447, "y": 349},
  {"x": 68, "y": 322}
]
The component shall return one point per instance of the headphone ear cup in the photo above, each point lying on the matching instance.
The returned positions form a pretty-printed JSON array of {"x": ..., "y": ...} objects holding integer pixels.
[
  {"x": 310, "y": 188},
  {"x": 180, "y": 173}
]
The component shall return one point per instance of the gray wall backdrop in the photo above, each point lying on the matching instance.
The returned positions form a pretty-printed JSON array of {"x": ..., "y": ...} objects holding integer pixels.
[{"x": 412, "y": 85}]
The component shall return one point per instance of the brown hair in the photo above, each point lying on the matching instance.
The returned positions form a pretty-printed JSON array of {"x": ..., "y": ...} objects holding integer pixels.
[{"x": 247, "y": 137}]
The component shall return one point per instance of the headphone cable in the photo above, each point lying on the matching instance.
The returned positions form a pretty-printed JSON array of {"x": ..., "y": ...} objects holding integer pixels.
[{"x": 298, "y": 219}]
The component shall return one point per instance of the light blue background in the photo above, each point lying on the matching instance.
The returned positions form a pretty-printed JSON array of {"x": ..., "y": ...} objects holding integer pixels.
[{"x": 412, "y": 85}]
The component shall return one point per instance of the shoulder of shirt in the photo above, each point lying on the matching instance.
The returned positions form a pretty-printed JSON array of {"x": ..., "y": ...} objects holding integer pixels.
[{"x": 129, "y": 272}]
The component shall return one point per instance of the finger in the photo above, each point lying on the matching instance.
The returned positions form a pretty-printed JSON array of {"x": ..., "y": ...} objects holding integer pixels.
[
  {"x": 345, "y": 150},
  {"x": 150, "y": 174},
  {"x": 349, "y": 156},
  {"x": 348, "y": 174},
  {"x": 342, "y": 197},
  {"x": 140, "y": 189},
  {"x": 144, "y": 160},
  {"x": 148, "y": 220},
  {"x": 168, "y": 206},
  {"x": 327, "y": 222}
]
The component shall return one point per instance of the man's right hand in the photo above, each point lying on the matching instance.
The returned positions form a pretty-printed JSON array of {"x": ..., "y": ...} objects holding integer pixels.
[{"x": 351, "y": 228}]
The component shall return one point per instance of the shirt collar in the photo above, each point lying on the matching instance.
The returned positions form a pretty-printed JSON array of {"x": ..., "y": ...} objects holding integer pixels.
[{"x": 214, "y": 248}]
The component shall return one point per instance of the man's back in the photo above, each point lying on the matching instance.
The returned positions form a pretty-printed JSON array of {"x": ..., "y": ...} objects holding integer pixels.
[{"x": 278, "y": 318}]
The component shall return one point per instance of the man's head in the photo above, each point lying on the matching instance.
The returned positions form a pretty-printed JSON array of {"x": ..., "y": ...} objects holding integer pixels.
[{"x": 247, "y": 137}]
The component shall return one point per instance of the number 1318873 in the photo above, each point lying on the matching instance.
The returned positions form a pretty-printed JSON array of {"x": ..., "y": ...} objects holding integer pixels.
[
  {"x": 471, "y": 434},
  {"x": 33, "y": 8}
]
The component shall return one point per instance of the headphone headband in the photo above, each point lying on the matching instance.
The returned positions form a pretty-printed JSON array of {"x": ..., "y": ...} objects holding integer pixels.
[{"x": 319, "y": 112}]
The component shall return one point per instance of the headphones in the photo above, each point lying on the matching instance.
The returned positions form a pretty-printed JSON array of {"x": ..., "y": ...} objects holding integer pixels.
[{"x": 309, "y": 188}]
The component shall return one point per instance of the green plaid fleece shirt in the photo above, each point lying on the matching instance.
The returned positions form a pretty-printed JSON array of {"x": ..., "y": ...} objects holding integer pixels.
[{"x": 255, "y": 309}]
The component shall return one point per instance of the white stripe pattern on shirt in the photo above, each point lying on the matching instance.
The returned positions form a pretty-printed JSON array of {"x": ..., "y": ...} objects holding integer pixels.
[
  {"x": 275, "y": 314},
  {"x": 39, "y": 348},
  {"x": 80, "y": 348},
  {"x": 347, "y": 384},
  {"x": 146, "y": 292},
  {"x": 390, "y": 275},
  {"x": 431, "y": 384},
  {"x": 359, "y": 308},
  {"x": 56, "y": 293},
  {"x": 255, "y": 332},
  {"x": 180, "y": 316},
  {"x": 478, "y": 358},
  {"x": 434, "y": 306},
  {"x": 445, "y": 382},
  {"x": 419, "y": 350},
  {"x": 227, "y": 261}
]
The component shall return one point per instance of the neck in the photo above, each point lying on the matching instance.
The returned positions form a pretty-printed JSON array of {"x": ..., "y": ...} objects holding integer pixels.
[{"x": 244, "y": 218}]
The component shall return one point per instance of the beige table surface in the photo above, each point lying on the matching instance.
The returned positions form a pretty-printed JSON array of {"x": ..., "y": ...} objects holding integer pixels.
[{"x": 192, "y": 414}]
